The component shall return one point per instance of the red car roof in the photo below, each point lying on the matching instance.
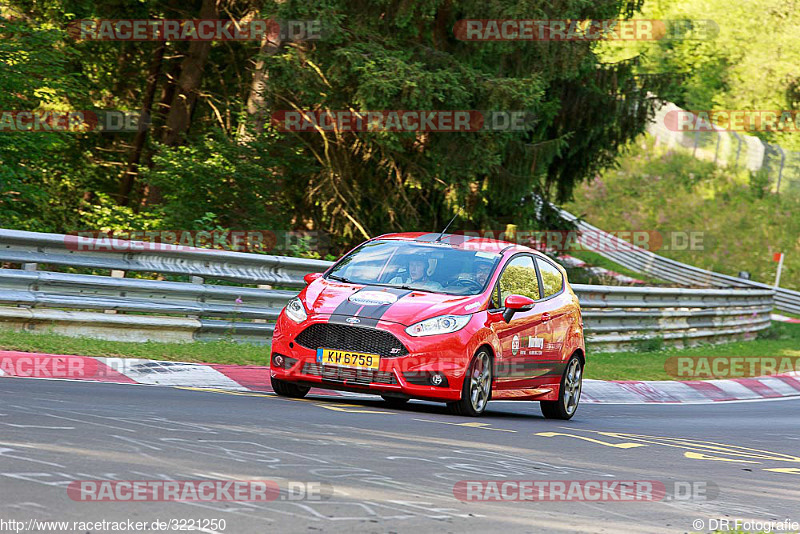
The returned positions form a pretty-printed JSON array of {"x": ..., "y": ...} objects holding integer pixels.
[{"x": 464, "y": 242}]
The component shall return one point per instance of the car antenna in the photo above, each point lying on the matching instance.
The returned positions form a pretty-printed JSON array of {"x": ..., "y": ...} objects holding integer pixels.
[{"x": 438, "y": 239}]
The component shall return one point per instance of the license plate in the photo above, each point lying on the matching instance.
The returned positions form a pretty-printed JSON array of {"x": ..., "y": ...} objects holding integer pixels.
[{"x": 347, "y": 358}]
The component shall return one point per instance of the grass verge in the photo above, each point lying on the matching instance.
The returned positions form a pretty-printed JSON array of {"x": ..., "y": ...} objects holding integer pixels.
[
  {"x": 781, "y": 339},
  {"x": 209, "y": 352}
]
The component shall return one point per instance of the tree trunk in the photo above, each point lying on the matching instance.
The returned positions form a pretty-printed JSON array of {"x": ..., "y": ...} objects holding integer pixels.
[
  {"x": 132, "y": 167},
  {"x": 180, "y": 110},
  {"x": 256, "y": 102},
  {"x": 184, "y": 98}
]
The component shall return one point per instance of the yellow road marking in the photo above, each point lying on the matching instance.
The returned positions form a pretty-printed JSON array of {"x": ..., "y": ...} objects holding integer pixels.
[
  {"x": 339, "y": 408},
  {"x": 788, "y": 470},
  {"x": 700, "y": 456},
  {"x": 592, "y": 440},
  {"x": 702, "y": 446},
  {"x": 226, "y": 391},
  {"x": 481, "y": 426}
]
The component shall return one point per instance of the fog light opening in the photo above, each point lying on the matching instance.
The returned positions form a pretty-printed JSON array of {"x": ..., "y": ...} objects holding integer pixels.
[
  {"x": 278, "y": 360},
  {"x": 437, "y": 379}
]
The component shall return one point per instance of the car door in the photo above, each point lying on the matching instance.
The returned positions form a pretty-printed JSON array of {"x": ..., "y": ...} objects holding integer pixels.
[
  {"x": 516, "y": 365},
  {"x": 554, "y": 322}
]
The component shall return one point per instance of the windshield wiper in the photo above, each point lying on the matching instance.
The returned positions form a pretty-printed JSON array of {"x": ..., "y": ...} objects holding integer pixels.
[
  {"x": 410, "y": 288},
  {"x": 340, "y": 279}
]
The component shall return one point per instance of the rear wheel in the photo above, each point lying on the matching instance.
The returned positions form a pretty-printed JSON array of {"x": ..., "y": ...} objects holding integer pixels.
[
  {"x": 394, "y": 402},
  {"x": 477, "y": 387},
  {"x": 569, "y": 394},
  {"x": 288, "y": 389}
]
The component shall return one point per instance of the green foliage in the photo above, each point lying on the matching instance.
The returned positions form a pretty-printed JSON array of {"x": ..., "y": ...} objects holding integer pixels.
[
  {"x": 376, "y": 182},
  {"x": 35, "y": 75},
  {"x": 776, "y": 331},
  {"x": 237, "y": 185},
  {"x": 650, "y": 344},
  {"x": 375, "y": 55},
  {"x": 552, "y": 281},
  {"x": 760, "y": 184},
  {"x": 751, "y": 63},
  {"x": 739, "y": 228},
  {"x": 519, "y": 280}
]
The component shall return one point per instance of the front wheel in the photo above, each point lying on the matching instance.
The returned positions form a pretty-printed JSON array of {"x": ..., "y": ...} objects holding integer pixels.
[
  {"x": 477, "y": 387},
  {"x": 569, "y": 394},
  {"x": 288, "y": 389}
]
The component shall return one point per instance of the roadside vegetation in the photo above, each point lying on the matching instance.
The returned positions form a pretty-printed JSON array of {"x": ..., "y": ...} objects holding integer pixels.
[
  {"x": 580, "y": 275},
  {"x": 647, "y": 362},
  {"x": 211, "y": 158},
  {"x": 206, "y": 352},
  {"x": 740, "y": 223},
  {"x": 644, "y": 363}
]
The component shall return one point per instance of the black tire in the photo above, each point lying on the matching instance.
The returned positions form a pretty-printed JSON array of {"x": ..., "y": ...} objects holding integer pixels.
[
  {"x": 394, "y": 402},
  {"x": 288, "y": 389},
  {"x": 569, "y": 394},
  {"x": 477, "y": 389}
]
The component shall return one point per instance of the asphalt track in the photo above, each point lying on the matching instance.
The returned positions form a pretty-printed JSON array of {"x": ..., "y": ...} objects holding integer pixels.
[{"x": 390, "y": 470}]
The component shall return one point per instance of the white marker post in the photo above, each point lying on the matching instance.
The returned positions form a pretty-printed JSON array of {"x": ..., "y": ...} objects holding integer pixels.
[{"x": 779, "y": 258}]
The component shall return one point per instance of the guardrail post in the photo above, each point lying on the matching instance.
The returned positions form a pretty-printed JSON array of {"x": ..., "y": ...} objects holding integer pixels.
[
  {"x": 262, "y": 286},
  {"x": 196, "y": 280},
  {"x": 30, "y": 266},
  {"x": 115, "y": 273}
]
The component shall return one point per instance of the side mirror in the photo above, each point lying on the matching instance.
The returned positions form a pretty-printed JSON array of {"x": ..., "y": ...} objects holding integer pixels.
[
  {"x": 310, "y": 277},
  {"x": 515, "y": 303}
]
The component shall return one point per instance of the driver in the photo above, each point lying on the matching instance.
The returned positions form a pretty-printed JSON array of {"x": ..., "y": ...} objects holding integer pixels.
[
  {"x": 482, "y": 272},
  {"x": 417, "y": 274}
]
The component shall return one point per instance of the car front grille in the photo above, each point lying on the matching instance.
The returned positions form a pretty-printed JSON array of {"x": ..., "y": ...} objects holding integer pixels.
[
  {"x": 351, "y": 338},
  {"x": 346, "y": 374}
]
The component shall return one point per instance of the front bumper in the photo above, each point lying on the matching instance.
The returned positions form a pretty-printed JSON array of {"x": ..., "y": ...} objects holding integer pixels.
[{"x": 410, "y": 375}]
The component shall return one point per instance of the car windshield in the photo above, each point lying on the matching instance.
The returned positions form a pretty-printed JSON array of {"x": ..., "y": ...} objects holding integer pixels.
[{"x": 423, "y": 267}]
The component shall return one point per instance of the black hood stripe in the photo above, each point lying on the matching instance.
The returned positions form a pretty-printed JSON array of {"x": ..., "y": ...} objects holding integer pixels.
[{"x": 367, "y": 314}]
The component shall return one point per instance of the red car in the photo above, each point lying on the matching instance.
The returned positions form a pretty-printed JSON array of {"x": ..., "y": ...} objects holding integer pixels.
[{"x": 439, "y": 317}]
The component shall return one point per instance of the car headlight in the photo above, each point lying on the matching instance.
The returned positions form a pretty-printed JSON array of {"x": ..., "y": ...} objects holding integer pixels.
[
  {"x": 296, "y": 311},
  {"x": 444, "y": 324}
]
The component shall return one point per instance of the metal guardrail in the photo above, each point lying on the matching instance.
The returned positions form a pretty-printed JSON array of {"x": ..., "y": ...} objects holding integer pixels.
[
  {"x": 17, "y": 246},
  {"x": 139, "y": 309},
  {"x": 646, "y": 262},
  {"x": 618, "y": 317}
]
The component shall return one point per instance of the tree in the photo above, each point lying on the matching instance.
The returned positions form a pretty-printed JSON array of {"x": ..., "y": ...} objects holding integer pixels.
[{"x": 211, "y": 157}]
